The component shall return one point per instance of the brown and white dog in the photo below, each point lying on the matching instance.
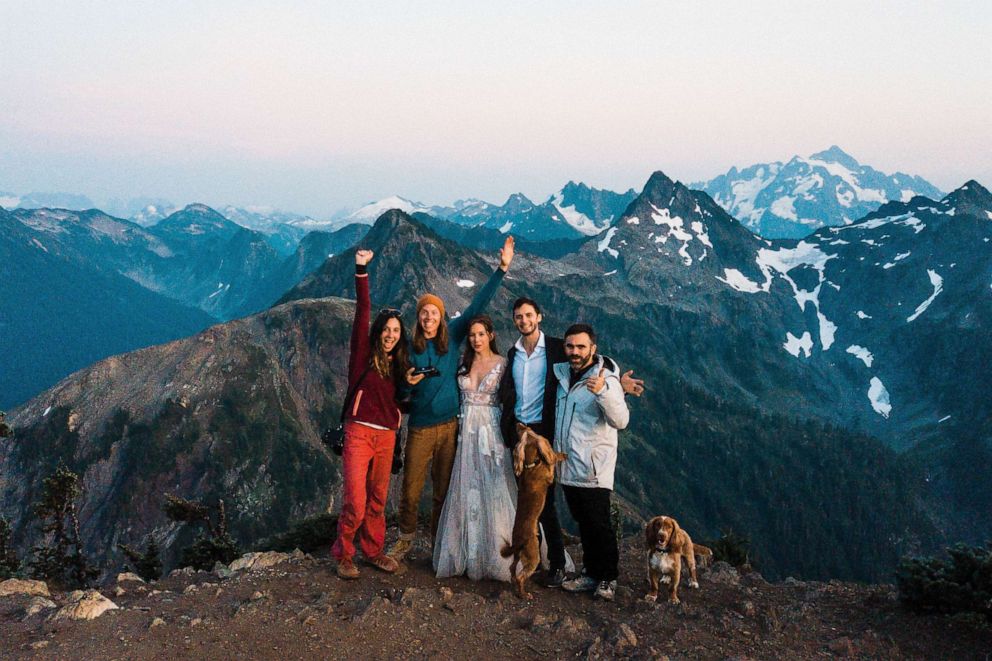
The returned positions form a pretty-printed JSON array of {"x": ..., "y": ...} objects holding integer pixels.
[
  {"x": 668, "y": 545},
  {"x": 534, "y": 463}
]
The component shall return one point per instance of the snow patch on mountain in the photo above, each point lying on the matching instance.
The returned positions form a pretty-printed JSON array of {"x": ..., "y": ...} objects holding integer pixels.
[
  {"x": 861, "y": 353},
  {"x": 604, "y": 243},
  {"x": 879, "y": 397},
  {"x": 795, "y": 345},
  {"x": 938, "y": 286},
  {"x": 575, "y": 218},
  {"x": 465, "y": 284}
]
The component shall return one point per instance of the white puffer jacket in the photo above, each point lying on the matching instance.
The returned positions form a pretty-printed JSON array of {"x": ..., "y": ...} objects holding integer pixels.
[{"x": 586, "y": 425}]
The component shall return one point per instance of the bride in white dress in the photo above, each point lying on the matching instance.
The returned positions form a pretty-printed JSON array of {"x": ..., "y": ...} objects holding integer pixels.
[{"x": 477, "y": 518}]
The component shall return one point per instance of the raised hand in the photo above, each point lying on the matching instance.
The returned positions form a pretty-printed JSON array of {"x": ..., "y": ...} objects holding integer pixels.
[
  {"x": 506, "y": 254},
  {"x": 414, "y": 379},
  {"x": 630, "y": 385},
  {"x": 596, "y": 383},
  {"x": 363, "y": 257}
]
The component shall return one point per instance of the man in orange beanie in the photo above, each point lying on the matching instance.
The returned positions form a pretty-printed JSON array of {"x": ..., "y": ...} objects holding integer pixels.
[{"x": 434, "y": 402}]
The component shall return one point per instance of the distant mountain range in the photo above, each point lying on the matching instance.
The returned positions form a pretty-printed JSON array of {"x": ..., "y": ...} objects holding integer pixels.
[
  {"x": 828, "y": 391},
  {"x": 791, "y": 200},
  {"x": 773, "y": 200}
]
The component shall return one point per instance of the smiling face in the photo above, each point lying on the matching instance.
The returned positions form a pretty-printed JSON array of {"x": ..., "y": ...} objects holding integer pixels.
[
  {"x": 527, "y": 319},
  {"x": 579, "y": 349},
  {"x": 390, "y": 334},
  {"x": 479, "y": 338},
  {"x": 429, "y": 319}
]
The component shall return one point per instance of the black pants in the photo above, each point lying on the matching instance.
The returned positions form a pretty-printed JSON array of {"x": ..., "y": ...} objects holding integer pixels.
[
  {"x": 552, "y": 531},
  {"x": 549, "y": 515},
  {"x": 591, "y": 509}
]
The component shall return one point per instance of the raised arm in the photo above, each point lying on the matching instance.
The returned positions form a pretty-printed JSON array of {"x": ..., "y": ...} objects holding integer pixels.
[
  {"x": 458, "y": 328},
  {"x": 359, "y": 355}
]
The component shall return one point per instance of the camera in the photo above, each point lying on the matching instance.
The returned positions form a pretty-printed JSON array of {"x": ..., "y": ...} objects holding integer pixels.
[
  {"x": 333, "y": 439},
  {"x": 428, "y": 371}
]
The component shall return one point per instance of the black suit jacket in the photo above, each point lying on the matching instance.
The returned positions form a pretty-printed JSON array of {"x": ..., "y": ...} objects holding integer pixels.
[{"x": 554, "y": 352}]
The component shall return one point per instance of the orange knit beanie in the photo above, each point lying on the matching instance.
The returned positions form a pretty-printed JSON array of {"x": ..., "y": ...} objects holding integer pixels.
[{"x": 430, "y": 299}]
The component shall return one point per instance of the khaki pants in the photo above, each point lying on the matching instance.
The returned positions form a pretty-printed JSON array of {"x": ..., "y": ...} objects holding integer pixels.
[{"x": 434, "y": 445}]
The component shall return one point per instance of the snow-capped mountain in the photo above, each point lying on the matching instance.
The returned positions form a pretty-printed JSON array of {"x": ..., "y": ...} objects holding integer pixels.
[
  {"x": 71, "y": 201},
  {"x": 791, "y": 200},
  {"x": 370, "y": 212},
  {"x": 575, "y": 211}
]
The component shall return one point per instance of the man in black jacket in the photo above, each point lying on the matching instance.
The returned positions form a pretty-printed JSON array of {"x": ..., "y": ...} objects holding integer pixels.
[{"x": 528, "y": 393}]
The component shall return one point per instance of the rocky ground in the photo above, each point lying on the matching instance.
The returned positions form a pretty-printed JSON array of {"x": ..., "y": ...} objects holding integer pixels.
[{"x": 292, "y": 606}]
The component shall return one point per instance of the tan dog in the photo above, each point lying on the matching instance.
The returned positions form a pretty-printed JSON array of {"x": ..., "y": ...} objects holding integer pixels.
[
  {"x": 668, "y": 545},
  {"x": 534, "y": 464}
]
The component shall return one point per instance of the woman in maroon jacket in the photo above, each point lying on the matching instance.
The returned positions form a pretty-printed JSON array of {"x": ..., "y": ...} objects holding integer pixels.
[{"x": 379, "y": 358}]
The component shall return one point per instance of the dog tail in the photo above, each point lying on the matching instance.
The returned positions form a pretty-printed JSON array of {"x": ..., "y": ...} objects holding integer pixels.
[
  {"x": 699, "y": 549},
  {"x": 508, "y": 549}
]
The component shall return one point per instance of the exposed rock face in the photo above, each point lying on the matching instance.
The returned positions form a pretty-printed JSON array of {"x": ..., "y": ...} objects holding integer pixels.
[{"x": 84, "y": 605}]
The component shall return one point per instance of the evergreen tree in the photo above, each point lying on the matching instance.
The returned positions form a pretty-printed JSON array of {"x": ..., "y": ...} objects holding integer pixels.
[
  {"x": 62, "y": 560},
  {"x": 147, "y": 565},
  {"x": 959, "y": 582},
  {"x": 5, "y": 429},
  {"x": 216, "y": 545}
]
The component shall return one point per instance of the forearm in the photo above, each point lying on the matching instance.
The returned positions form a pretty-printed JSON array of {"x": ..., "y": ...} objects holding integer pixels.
[{"x": 459, "y": 327}]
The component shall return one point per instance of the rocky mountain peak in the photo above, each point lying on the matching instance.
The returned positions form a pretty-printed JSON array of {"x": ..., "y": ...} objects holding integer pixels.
[
  {"x": 836, "y": 155},
  {"x": 972, "y": 198}
]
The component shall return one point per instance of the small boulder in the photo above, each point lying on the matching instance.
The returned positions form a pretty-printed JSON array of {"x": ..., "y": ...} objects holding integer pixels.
[
  {"x": 624, "y": 639},
  {"x": 37, "y": 604},
  {"x": 157, "y": 622},
  {"x": 256, "y": 560},
  {"x": 126, "y": 576},
  {"x": 414, "y": 596},
  {"x": 724, "y": 573},
  {"x": 84, "y": 605},
  {"x": 19, "y": 586},
  {"x": 221, "y": 570}
]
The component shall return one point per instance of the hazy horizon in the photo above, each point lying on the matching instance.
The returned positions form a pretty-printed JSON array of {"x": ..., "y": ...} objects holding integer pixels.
[{"x": 324, "y": 106}]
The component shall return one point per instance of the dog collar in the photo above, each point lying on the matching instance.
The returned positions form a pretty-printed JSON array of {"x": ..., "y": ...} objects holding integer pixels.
[{"x": 531, "y": 465}]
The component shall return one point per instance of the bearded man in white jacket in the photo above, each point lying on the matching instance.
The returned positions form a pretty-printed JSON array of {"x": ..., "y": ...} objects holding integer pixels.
[{"x": 590, "y": 409}]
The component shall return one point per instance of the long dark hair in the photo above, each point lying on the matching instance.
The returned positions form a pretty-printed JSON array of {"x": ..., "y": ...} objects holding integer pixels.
[
  {"x": 440, "y": 340},
  {"x": 400, "y": 353},
  {"x": 468, "y": 356}
]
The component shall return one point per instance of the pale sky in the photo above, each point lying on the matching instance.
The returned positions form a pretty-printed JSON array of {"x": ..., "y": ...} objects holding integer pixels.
[{"x": 315, "y": 106}]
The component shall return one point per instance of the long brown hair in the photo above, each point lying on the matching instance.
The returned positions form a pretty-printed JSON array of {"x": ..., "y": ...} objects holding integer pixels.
[
  {"x": 379, "y": 360},
  {"x": 468, "y": 356},
  {"x": 440, "y": 340}
]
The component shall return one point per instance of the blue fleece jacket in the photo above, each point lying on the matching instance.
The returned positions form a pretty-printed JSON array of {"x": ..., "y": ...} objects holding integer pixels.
[{"x": 435, "y": 399}]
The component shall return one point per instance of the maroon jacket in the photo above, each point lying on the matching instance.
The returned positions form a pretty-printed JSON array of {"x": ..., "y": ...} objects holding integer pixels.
[{"x": 374, "y": 400}]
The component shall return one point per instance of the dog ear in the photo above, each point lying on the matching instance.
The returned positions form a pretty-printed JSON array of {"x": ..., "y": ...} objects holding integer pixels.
[
  {"x": 518, "y": 455},
  {"x": 651, "y": 533},
  {"x": 545, "y": 451}
]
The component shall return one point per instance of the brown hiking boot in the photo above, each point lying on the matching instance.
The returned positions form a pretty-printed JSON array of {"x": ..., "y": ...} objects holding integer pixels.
[
  {"x": 384, "y": 563},
  {"x": 400, "y": 549},
  {"x": 347, "y": 569}
]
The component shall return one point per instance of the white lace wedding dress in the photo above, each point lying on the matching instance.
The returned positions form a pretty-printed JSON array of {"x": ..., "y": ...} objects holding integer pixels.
[{"x": 477, "y": 518}]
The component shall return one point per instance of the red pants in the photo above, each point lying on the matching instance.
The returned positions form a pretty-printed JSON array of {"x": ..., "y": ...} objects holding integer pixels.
[{"x": 367, "y": 459}]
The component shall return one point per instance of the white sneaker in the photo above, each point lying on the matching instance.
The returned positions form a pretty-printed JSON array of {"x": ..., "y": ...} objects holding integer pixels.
[
  {"x": 581, "y": 583},
  {"x": 606, "y": 590}
]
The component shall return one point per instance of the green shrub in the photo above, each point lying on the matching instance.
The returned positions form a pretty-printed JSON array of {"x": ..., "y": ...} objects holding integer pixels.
[
  {"x": 959, "y": 581},
  {"x": 732, "y": 548}
]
